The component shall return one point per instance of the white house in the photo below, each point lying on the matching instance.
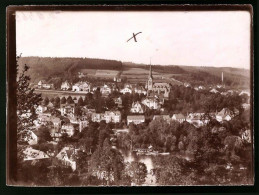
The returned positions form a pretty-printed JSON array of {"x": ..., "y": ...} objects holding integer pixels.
[
  {"x": 81, "y": 87},
  {"x": 165, "y": 117},
  {"x": 214, "y": 91},
  {"x": 151, "y": 103},
  {"x": 83, "y": 124},
  {"x": 33, "y": 154},
  {"x": 98, "y": 117},
  {"x": 226, "y": 114},
  {"x": 140, "y": 90},
  {"x": 67, "y": 110},
  {"x": 126, "y": 90},
  {"x": 136, "y": 119},
  {"x": 246, "y": 136},
  {"x": 56, "y": 122},
  {"x": 244, "y": 92},
  {"x": 112, "y": 116},
  {"x": 197, "y": 119},
  {"x": 66, "y": 157},
  {"x": 118, "y": 101},
  {"x": 137, "y": 108},
  {"x": 179, "y": 117},
  {"x": 105, "y": 89},
  {"x": 41, "y": 109},
  {"x": 65, "y": 85},
  {"x": 68, "y": 129},
  {"x": 43, "y": 84},
  {"x": 30, "y": 137}
]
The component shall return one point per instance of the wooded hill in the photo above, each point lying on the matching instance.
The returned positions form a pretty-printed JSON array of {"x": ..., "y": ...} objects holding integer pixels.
[{"x": 47, "y": 67}]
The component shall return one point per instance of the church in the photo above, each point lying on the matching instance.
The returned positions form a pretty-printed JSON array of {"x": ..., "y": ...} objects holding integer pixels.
[{"x": 157, "y": 88}]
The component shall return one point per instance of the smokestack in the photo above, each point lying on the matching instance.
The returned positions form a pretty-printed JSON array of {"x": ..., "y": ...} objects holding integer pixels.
[{"x": 222, "y": 78}]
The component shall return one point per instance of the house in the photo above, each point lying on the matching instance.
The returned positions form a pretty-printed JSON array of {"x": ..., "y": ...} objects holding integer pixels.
[
  {"x": 41, "y": 109},
  {"x": 246, "y": 136},
  {"x": 244, "y": 92},
  {"x": 30, "y": 137},
  {"x": 68, "y": 129},
  {"x": 136, "y": 119},
  {"x": 65, "y": 85},
  {"x": 56, "y": 122},
  {"x": 246, "y": 106},
  {"x": 187, "y": 84},
  {"x": 214, "y": 91},
  {"x": 105, "y": 89},
  {"x": 226, "y": 114},
  {"x": 126, "y": 89},
  {"x": 50, "y": 105},
  {"x": 199, "y": 88},
  {"x": 55, "y": 134},
  {"x": 81, "y": 87},
  {"x": 118, "y": 101},
  {"x": 117, "y": 79},
  {"x": 66, "y": 157},
  {"x": 81, "y": 75},
  {"x": 137, "y": 108},
  {"x": 179, "y": 117},
  {"x": 197, "y": 119},
  {"x": 98, "y": 117},
  {"x": 83, "y": 124},
  {"x": 151, "y": 102},
  {"x": 108, "y": 117},
  {"x": 140, "y": 90},
  {"x": 33, "y": 154},
  {"x": 112, "y": 116},
  {"x": 165, "y": 117},
  {"x": 67, "y": 110},
  {"x": 42, "y": 84}
]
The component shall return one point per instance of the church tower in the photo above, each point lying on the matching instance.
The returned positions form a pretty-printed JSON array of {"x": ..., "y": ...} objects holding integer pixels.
[{"x": 150, "y": 79}]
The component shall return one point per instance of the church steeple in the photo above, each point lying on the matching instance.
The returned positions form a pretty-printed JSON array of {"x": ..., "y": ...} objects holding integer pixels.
[{"x": 150, "y": 71}]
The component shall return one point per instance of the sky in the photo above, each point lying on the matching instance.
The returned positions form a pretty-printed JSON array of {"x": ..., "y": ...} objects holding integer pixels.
[{"x": 215, "y": 38}]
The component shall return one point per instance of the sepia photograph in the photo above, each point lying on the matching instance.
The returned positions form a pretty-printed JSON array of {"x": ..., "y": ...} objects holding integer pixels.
[{"x": 132, "y": 97}]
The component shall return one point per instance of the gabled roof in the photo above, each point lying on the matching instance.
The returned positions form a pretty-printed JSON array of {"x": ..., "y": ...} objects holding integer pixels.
[
  {"x": 135, "y": 117},
  {"x": 178, "y": 116}
]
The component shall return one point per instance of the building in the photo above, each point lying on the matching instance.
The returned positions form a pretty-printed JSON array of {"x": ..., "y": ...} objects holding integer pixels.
[
  {"x": 41, "y": 109},
  {"x": 81, "y": 87},
  {"x": 56, "y": 122},
  {"x": 244, "y": 92},
  {"x": 136, "y": 119},
  {"x": 156, "y": 87},
  {"x": 126, "y": 89},
  {"x": 197, "y": 119},
  {"x": 66, "y": 157},
  {"x": 137, "y": 108},
  {"x": 42, "y": 84},
  {"x": 68, "y": 129},
  {"x": 33, "y": 154},
  {"x": 105, "y": 89},
  {"x": 108, "y": 117},
  {"x": 83, "y": 124},
  {"x": 67, "y": 110},
  {"x": 226, "y": 114},
  {"x": 30, "y": 137},
  {"x": 98, "y": 117},
  {"x": 118, "y": 101},
  {"x": 65, "y": 86},
  {"x": 151, "y": 102},
  {"x": 140, "y": 90},
  {"x": 112, "y": 116},
  {"x": 246, "y": 136},
  {"x": 214, "y": 91},
  {"x": 179, "y": 117},
  {"x": 165, "y": 117}
]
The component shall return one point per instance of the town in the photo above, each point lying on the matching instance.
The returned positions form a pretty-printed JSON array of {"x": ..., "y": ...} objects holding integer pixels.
[{"x": 117, "y": 132}]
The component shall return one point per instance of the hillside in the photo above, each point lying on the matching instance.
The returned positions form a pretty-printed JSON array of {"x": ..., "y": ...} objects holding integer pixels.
[{"x": 51, "y": 68}]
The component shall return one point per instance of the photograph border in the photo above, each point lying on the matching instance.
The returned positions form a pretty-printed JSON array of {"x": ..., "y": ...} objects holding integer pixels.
[{"x": 11, "y": 82}]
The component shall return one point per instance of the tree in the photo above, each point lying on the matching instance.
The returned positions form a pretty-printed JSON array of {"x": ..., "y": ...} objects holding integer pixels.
[
  {"x": 57, "y": 102},
  {"x": 46, "y": 101},
  {"x": 27, "y": 101},
  {"x": 80, "y": 102},
  {"x": 78, "y": 111},
  {"x": 43, "y": 134},
  {"x": 138, "y": 172},
  {"x": 70, "y": 100},
  {"x": 63, "y": 100}
]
